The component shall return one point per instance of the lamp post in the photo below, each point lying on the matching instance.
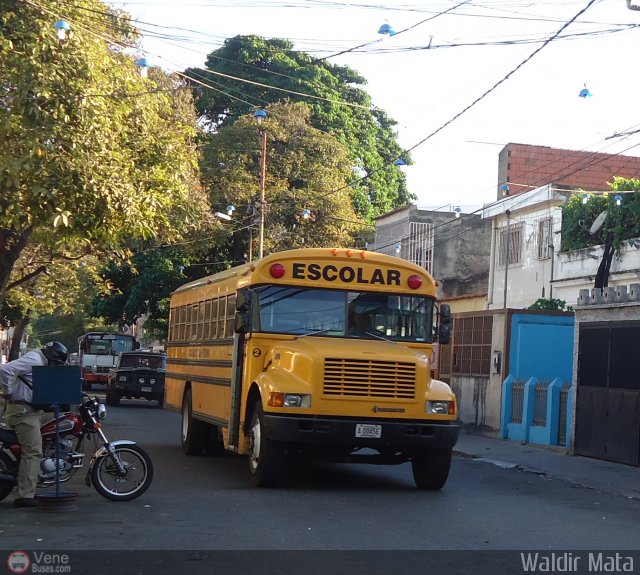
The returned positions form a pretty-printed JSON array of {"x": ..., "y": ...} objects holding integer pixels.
[{"x": 260, "y": 115}]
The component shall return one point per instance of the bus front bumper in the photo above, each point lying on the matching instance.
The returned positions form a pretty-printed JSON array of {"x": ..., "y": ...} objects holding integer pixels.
[{"x": 394, "y": 433}]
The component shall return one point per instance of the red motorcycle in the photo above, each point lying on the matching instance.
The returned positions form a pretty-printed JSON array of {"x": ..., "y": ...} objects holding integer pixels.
[{"x": 119, "y": 470}]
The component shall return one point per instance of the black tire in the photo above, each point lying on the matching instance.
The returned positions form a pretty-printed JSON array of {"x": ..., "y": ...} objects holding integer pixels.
[
  {"x": 7, "y": 465},
  {"x": 160, "y": 402},
  {"x": 112, "y": 399},
  {"x": 138, "y": 474},
  {"x": 194, "y": 432},
  {"x": 266, "y": 457},
  {"x": 431, "y": 468},
  {"x": 86, "y": 385}
]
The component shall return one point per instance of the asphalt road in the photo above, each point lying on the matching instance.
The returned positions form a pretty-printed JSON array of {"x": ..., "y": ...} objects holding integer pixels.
[{"x": 199, "y": 505}]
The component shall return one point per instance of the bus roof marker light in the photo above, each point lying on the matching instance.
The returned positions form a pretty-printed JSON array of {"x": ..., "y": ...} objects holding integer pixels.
[
  {"x": 334, "y": 251},
  {"x": 276, "y": 270},
  {"x": 362, "y": 255},
  {"x": 414, "y": 281},
  {"x": 349, "y": 253}
]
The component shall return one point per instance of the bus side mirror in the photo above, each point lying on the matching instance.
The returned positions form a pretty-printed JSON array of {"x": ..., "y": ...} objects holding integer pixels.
[
  {"x": 243, "y": 300},
  {"x": 444, "y": 325},
  {"x": 242, "y": 320}
]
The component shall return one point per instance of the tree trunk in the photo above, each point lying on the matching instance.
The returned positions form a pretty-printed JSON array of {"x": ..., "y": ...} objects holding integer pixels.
[
  {"x": 18, "y": 332},
  {"x": 602, "y": 276},
  {"x": 12, "y": 244}
]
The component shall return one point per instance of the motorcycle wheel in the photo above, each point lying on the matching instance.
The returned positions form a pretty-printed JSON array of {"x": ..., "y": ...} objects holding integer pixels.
[
  {"x": 135, "y": 481},
  {"x": 6, "y": 466}
]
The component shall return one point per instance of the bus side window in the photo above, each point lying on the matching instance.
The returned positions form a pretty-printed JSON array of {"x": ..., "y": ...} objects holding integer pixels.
[
  {"x": 222, "y": 303},
  {"x": 231, "y": 314},
  {"x": 207, "y": 320}
]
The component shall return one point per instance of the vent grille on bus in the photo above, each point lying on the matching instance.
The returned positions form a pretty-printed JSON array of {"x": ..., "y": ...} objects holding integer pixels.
[{"x": 369, "y": 378}]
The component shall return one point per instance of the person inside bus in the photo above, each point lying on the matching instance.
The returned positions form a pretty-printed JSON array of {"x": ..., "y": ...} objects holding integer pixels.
[{"x": 360, "y": 325}]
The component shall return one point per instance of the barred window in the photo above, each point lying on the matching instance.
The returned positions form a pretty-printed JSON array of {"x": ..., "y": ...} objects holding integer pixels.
[
  {"x": 545, "y": 242},
  {"x": 515, "y": 245},
  {"x": 472, "y": 345}
]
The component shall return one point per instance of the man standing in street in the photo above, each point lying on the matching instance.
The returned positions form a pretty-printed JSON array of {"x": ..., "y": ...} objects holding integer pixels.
[{"x": 16, "y": 380}]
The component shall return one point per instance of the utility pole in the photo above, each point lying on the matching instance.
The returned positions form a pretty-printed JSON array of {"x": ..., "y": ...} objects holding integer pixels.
[{"x": 259, "y": 116}]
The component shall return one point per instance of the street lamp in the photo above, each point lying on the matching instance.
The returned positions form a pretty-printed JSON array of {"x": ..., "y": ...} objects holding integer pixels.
[
  {"x": 62, "y": 28},
  {"x": 260, "y": 115}
]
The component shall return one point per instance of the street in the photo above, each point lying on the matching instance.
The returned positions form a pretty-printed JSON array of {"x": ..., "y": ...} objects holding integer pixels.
[{"x": 206, "y": 503}]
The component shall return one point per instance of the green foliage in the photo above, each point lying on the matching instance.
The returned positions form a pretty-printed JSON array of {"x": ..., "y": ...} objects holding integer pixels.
[
  {"x": 622, "y": 222},
  {"x": 307, "y": 170},
  {"x": 338, "y": 106},
  {"x": 549, "y": 304},
  {"x": 93, "y": 155},
  {"x": 141, "y": 286}
]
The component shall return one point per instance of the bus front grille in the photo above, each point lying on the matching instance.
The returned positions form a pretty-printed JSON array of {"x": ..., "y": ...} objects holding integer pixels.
[{"x": 369, "y": 378}]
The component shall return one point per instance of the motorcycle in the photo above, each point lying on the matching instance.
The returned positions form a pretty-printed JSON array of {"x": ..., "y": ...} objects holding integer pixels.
[{"x": 119, "y": 470}]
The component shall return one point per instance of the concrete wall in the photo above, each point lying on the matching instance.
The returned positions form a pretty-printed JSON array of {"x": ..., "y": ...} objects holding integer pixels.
[
  {"x": 531, "y": 277},
  {"x": 576, "y": 270},
  {"x": 479, "y": 398},
  {"x": 461, "y": 247}
]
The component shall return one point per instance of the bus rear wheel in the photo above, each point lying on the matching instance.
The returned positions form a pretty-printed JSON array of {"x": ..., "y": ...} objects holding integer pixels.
[
  {"x": 266, "y": 457},
  {"x": 431, "y": 468},
  {"x": 194, "y": 432}
]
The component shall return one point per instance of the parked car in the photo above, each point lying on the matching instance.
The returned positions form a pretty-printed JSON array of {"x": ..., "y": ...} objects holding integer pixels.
[{"x": 137, "y": 375}]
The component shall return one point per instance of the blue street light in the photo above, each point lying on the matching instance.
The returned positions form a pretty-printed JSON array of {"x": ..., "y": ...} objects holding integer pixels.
[
  {"x": 584, "y": 93},
  {"x": 386, "y": 30},
  {"x": 144, "y": 66},
  {"x": 618, "y": 199},
  {"x": 62, "y": 27}
]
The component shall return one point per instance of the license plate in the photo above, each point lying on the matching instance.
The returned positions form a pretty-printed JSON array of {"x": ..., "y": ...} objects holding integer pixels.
[
  {"x": 368, "y": 430},
  {"x": 145, "y": 389}
]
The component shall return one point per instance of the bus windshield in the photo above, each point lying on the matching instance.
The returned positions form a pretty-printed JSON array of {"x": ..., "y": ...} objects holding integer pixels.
[
  {"x": 98, "y": 344},
  {"x": 339, "y": 313}
]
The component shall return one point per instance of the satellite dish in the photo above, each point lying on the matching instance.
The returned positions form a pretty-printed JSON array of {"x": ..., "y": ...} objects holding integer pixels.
[{"x": 597, "y": 224}]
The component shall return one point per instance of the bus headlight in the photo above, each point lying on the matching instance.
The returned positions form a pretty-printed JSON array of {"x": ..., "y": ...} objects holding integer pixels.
[
  {"x": 277, "y": 399},
  {"x": 441, "y": 407}
]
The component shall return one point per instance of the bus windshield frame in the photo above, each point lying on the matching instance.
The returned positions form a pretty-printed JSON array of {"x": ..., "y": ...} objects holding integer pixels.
[{"x": 344, "y": 313}]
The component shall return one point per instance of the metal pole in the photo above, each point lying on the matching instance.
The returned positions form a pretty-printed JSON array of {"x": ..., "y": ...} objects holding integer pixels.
[
  {"x": 506, "y": 259},
  {"x": 263, "y": 178}
]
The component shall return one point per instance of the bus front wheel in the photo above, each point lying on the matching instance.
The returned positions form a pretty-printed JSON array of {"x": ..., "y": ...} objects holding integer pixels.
[
  {"x": 431, "y": 468},
  {"x": 194, "y": 432},
  {"x": 266, "y": 457}
]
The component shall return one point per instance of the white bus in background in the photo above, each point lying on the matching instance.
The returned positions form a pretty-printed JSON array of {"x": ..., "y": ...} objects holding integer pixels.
[{"x": 98, "y": 352}]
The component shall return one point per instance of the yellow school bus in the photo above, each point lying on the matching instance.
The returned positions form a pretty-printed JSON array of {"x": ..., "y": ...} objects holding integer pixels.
[{"x": 318, "y": 352}]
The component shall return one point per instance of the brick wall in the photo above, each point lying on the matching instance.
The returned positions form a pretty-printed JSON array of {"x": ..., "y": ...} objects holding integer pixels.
[{"x": 523, "y": 167}]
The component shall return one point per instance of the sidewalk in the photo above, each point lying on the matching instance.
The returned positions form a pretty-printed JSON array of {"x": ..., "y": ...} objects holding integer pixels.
[{"x": 553, "y": 463}]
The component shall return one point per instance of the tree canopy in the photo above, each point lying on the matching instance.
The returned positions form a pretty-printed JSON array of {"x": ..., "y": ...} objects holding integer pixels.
[
  {"x": 250, "y": 70},
  {"x": 94, "y": 155},
  {"x": 307, "y": 191}
]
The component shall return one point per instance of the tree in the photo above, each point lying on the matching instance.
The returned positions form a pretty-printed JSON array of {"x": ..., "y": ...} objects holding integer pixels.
[
  {"x": 621, "y": 212},
  {"x": 308, "y": 173},
  {"x": 94, "y": 155},
  {"x": 338, "y": 105}
]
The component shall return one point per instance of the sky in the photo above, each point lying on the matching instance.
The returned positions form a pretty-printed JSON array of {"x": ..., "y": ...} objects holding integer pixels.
[{"x": 462, "y": 78}]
